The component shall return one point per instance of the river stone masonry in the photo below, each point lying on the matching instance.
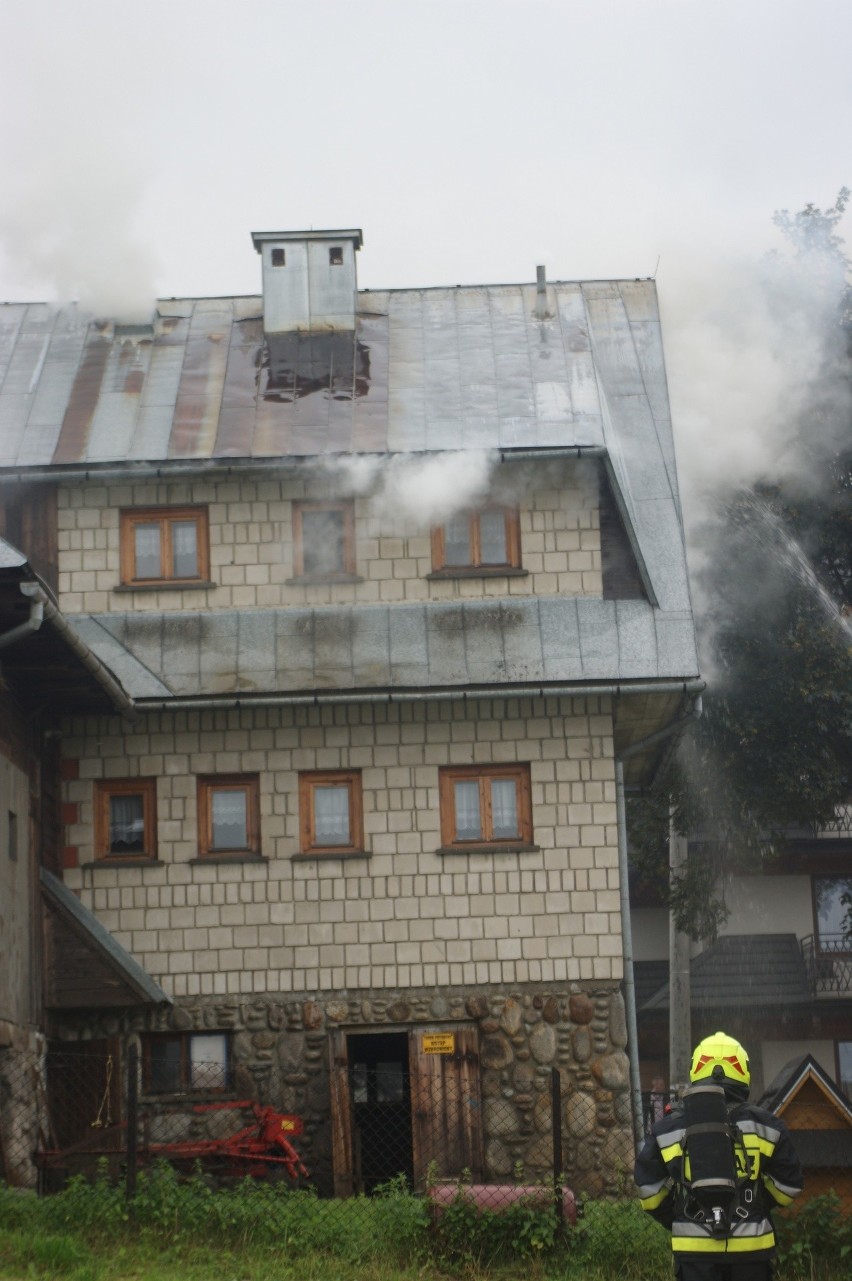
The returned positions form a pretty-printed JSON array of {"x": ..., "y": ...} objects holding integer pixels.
[{"x": 280, "y": 1055}]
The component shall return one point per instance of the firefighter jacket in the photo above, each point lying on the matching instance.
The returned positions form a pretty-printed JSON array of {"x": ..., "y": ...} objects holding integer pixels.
[{"x": 770, "y": 1176}]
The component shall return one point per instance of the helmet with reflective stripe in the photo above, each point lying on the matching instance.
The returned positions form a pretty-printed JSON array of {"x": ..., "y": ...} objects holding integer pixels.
[{"x": 722, "y": 1051}]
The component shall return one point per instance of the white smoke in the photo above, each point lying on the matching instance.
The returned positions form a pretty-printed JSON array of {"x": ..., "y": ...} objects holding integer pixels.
[
  {"x": 414, "y": 490},
  {"x": 70, "y": 231}
]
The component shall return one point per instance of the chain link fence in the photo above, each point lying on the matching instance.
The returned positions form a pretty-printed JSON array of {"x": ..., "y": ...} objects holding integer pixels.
[{"x": 341, "y": 1132}]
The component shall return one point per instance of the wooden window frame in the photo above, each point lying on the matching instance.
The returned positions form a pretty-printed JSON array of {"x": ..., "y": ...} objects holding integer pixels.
[
  {"x": 206, "y": 786},
  {"x": 475, "y": 565},
  {"x": 184, "y": 1041},
  {"x": 449, "y": 775},
  {"x": 347, "y": 570},
  {"x": 308, "y": 782},
  {"x": 105, "y": 789},
  {"x": 165, "y": 517}
]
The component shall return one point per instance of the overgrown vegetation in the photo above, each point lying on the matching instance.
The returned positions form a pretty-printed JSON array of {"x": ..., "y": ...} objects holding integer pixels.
[{"x": 186, "y": 1231}]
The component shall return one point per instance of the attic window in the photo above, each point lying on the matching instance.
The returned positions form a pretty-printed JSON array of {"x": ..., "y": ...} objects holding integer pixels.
[
  {"x": 481, "y": 541},
  {"x": 335, "y": 256},
  {"x": 164, "y": 545},
  {"x": 279, "y": 258}
]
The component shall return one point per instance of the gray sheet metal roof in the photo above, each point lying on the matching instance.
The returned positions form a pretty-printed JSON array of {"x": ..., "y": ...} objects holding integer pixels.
[
  {"x": 750, "y": 970},
  {"x": 431, "y": 369},
  {"x": 10, "y": 557},
  {"x": 550, "y": 640},
  {"x": 129, "y": 968}
]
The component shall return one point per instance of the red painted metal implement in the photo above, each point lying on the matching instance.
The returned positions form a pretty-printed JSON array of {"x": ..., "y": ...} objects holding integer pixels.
[
  {"x": 256, "y": 1150},
  {"x": 259, "y": 1150}
]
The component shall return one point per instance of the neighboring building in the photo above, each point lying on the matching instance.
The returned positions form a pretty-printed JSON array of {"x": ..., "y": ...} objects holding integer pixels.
[
  {"x": 820, "y": 1118},
  {"x": 362, "y": 783},
  {"x": 779, "y": 977}
]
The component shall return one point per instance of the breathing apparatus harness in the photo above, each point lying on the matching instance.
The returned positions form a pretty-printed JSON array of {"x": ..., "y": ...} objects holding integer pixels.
[{"x": 717, "y": 1189}]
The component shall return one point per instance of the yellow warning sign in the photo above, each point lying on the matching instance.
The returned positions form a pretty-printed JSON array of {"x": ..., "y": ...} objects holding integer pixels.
[{"x": 439, "y": 1042}]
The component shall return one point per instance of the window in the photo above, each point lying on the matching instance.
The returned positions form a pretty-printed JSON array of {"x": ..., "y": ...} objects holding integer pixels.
[
  {"x": 833, "y": 912},
  {"x": 335, "y": 256},
  {"x": 229, "y": 815},
  {"x": 126, "y": 818},
  {"x": 279, "y": 258},
  {"x": 486, "y": 541},
  {"x": 485, "y": 806},
  {"x": 164, "y": 545},
  {"x": 331, "y": 812},
  {"x": 323, "y": 540},
  {"x": 176, "y": 1062}
]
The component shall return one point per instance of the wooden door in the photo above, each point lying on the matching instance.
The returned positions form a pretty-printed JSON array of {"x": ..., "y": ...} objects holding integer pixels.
[{"x": 446, "y": 1102}]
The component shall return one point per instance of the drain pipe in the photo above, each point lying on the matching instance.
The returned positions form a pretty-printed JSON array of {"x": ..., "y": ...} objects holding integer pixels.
[
  {"x": 624, "y": 891},
  {"x": 43, "y": 607},
  {"x": 32, "y": 624}
]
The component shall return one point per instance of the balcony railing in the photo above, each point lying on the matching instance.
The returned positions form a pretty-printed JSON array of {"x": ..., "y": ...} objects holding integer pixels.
[{"x": 828, "y": 963}]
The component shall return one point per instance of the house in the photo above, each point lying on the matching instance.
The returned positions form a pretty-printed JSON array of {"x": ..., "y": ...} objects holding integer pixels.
[
  {"x": 820, "y": 1119},
  {"x": 779, "y": 977},
  {"x": 391, "y": 591}
]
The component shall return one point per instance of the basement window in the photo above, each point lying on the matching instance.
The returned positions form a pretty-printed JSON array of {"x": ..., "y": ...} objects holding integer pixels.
[
  {"x": 229, "y": 816},
  {"x": 485, "y": 807},
  {"x": 279, "y": 258},
  {"x": 126, "y": 819},
  {"x": 174, "y": 1063},
  {"x": 323, "y": 540},
  {"x": 164, "y": 545},
  {"x": 486, "y": 541},
  {"x": 335, "y": 256},
  {"x": 331, "y": 812}
]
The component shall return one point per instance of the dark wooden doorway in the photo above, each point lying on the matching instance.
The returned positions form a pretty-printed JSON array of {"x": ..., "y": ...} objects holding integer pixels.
[{"x": 400, "y": 1107}]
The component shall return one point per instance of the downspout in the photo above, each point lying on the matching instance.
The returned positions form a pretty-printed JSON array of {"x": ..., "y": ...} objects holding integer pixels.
[
  {"x": 32, "y": 624},
  {"x": 624, "y": 893},
  {"x": 40, "y": 601}
]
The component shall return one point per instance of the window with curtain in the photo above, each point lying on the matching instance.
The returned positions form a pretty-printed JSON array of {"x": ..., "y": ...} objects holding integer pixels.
[
  {"x": 485, "y": 541},
  {"x": 229, "y": 815},
  {"x": 485, "y": 806},
  {"x": 331, "y": 812},
  {"x": 125, "y": 818},
  {"x": 164, "y": 545}
]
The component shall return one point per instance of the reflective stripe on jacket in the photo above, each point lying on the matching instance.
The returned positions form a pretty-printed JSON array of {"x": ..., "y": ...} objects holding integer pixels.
[{"x": 766, "y": 1159}]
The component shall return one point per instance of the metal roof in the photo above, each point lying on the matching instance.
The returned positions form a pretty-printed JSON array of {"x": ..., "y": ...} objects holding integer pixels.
[
  {"x": 558, "y": 640},
  {"x": 429, "y": 370}
]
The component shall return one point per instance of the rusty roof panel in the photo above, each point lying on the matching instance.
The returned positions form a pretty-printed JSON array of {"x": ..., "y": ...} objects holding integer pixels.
[{"x": 431, "y": 369}]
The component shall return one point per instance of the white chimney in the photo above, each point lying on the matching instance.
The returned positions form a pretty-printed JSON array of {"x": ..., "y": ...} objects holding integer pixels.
[{"x": 309, "y": 280}]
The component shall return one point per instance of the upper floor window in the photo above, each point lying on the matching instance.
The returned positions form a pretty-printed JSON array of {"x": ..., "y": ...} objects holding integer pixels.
[
  {"x": 164, "y": 545},
  {"x": 485, "y": 805},
  {"x": 483, "y": 541},
  {"x": 172, "y": 1063},
  {"x": 125, "y": 818},
  {"x": 331, "y": 812},
  {"x": 323, "y": 540},
  {"x": 833, "y": 912},
  {"x": 229, "y": 815}
]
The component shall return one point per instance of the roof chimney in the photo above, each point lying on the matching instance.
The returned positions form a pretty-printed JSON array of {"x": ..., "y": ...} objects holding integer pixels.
[
  {"x": 309, "y": 280},
  {"x": 541, "y": 312}
]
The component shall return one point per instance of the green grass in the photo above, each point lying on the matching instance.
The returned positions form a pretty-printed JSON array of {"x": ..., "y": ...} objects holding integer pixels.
[{"x": 185, "y": 1231}]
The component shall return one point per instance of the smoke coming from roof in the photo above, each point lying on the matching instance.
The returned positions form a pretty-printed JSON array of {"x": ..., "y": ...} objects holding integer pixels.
[{"x": 412, "y": 489}]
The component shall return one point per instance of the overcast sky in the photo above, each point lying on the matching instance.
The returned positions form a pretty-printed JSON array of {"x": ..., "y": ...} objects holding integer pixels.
[{"x": 143, "y": 142}]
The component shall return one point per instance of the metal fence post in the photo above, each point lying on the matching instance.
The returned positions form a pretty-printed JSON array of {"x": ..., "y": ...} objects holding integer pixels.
[
  {"x": 132, "y": 1117},
  {"x": 556, "y": 1123}
]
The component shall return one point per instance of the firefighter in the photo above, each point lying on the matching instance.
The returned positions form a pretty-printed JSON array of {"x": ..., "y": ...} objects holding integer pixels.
[{"x": 736, "y": 1241}]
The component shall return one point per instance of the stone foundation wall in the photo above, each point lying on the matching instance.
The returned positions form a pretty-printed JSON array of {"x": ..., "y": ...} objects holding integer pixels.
[
  {"x": 280, "y": 1055},
  {"x": 22, "y": 1098}
]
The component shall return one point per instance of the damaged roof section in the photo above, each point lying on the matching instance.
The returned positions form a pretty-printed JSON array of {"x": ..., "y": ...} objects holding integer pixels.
[{"x": 477, "y": 367}]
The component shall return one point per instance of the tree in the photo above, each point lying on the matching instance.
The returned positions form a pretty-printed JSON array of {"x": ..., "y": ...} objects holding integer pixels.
[{"x": 773, "y": 750}]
